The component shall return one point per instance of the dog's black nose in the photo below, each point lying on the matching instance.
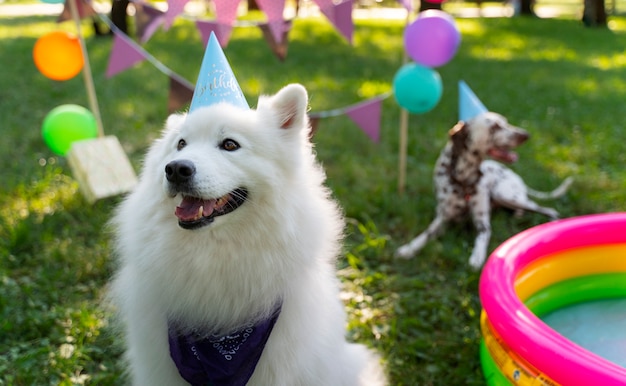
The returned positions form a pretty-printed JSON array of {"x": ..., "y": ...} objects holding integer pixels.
[{"x": 180, "y": 171}]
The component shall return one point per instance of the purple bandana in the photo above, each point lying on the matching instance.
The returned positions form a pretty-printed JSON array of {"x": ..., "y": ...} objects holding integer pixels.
[{"x": 227, "y": 360}]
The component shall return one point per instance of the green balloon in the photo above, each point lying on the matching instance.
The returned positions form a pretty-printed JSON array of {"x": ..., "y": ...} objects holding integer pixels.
[{"x": 67, "y": 124}]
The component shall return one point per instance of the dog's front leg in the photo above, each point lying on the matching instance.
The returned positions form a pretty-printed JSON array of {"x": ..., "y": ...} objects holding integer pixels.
[
  {"x": 481, "y": 216},
  {"x": 409, "y": 250},
  {"x": 147, "y": 351}
]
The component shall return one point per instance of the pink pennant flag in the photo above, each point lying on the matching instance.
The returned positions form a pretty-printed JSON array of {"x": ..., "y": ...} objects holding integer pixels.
[
  {"x": 124, "y": 54},
  {"x": 324, "y": 4},
  {"x": 174, "y": 8},
  {"x": 367, "y": 116},
  {"x": 343, "y": 19},
  {"x": 274, "y": 11},
  {"x": 226, "y": 11},
  {"x": 340, "y": 15},
  {"x": 83, "y": 7},
  {"x": 314, "y": 122},
  {"x": 407, "y": 4},
  {"x": 181, "y": 93},
  {"x": 279, "y": 48},
  {"x": 147, "y": 20},
  {"x": 222, "y": 31}
]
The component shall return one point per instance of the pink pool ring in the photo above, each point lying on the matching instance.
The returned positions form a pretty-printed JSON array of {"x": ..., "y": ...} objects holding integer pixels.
[{"x": 560, "y": 359}]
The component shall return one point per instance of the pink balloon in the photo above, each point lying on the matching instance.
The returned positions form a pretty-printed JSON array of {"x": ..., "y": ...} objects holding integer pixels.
[{"x": 432, "y": 39}]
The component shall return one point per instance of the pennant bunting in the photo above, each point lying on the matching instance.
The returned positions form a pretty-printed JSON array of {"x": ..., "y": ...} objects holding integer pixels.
[
  {"x": 174, "y": 8},
  {"x": 408, "y": 4},
  {"x": 181, "y": 92},
  {"x": 324, "y": 4},
  {"x": 340, "y": 15},
  {"x": 124, "y": 54},
  {"x": 221, "y": 31},
  {"x": 274, "y": 11},
  {"x": 314, "y": 123},
  {"x": 343, "y": 19},
  {"x": 84, "y": 10},
  {"x": 278, "y": 48},
  {"x": 226, "y": 11},
  {"x": 147, "y": 20},
  {"x": 367, "y": 116}
]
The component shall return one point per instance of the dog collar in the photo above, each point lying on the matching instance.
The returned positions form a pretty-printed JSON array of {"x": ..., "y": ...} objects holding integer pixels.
[{"x": 220, "y": 360}]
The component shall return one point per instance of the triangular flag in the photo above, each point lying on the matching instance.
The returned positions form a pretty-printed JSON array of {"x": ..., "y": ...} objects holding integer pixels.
[
  {"x": 124, "y": 54},
  {"x": 274, "y": 10},
  {"x": 469, "y": 104},
  {"x": 84, "y": 10},
  {"x": 181, "y": 92},
  {"x": 324, "y": 4},
  {"x": 147, "y": 20},
  {"x": 343, "y": 19},
  {"x": 222, "y": 31},
  {"x": 407, "y": 4},
  {"x": 314, "y": 122},
  {"x": 226, "y": 11},
  {"x": 216, "y": 81},
  {"x": 367, "y": 116},
  {"x": 174, "y": 8},
  {"x": 340, "y": 15},
  {"x": 278, "y": 48}
]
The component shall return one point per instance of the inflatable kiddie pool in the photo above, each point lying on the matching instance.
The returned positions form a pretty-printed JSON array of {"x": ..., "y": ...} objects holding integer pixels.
[{"x": 544, "y": 269}]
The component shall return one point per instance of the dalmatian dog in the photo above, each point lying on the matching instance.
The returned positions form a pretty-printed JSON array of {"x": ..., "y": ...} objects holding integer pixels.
[{"x": 467, "y": 182}]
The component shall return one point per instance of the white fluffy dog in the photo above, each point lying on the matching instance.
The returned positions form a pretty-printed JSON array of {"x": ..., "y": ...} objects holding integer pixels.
[{"x": 227, "y": 249}]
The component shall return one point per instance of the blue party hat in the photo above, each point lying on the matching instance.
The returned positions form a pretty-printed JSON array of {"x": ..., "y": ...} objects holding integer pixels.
[
  {"x": 216, "y": 81},
  {"x": 469, "y": 104}
]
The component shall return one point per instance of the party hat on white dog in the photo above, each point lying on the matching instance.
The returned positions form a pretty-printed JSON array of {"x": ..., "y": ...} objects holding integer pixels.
[
  {"x": 469, "y": 104},
  {"x": 216, "y": 81}
]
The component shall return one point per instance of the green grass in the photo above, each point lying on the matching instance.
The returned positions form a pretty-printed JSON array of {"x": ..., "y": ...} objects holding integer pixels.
[{"x": 565, "y": 83}]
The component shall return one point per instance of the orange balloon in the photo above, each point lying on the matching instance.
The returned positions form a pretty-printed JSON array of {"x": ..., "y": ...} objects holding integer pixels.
[{"x": 58, "y": 55}]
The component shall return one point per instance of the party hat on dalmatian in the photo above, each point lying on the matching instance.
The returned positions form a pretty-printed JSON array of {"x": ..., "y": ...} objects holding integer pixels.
[
  {"x": 469, "y": 104},
  {"x": 216, "y": 81}
]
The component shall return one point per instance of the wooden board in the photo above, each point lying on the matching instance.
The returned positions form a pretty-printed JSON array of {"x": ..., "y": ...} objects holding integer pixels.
[{"x": 101, "y": 168}]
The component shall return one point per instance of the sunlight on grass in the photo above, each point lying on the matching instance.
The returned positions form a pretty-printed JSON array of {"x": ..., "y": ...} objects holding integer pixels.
[
  {"x": 42, "y": 198},
  {"x": 608, "y": 62},
  {"x": 562, "y": 81},
  {"x": 471, "y": 27},
  {"x": 369, "y": 89}
]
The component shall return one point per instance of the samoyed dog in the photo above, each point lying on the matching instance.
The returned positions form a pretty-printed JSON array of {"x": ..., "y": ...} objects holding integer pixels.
[{"x": 227, "y": 252}]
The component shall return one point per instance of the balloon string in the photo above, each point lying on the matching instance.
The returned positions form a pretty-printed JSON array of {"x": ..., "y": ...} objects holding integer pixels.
[{"x": 91, "y": 91}]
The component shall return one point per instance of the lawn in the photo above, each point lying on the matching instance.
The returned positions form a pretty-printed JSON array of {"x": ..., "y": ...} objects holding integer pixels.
[{"x": 564, "y": 83}]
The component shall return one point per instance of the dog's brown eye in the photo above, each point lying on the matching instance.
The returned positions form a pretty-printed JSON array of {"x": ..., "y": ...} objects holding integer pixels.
[
  {"x": 229, "y": 145},
  {"x": 181, "y": 144}
]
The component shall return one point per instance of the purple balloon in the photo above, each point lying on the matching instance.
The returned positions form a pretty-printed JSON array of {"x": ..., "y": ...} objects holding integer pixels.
[{"x": 432, "y": 39}]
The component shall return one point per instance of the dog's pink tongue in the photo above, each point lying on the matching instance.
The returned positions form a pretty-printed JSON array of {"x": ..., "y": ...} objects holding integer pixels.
[
  {"x": 191, "y": 208},
  {"x": 503, "y": 155}
]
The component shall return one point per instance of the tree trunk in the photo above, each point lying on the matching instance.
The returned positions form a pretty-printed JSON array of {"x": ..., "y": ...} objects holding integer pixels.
[
  {"x": 424, "y": 5},
  {"x": 118, "y": 14},
  {"x": 526, "y": 7},
  {"x": 252, "y": 5},
  {"x": 594, "y": 13}
]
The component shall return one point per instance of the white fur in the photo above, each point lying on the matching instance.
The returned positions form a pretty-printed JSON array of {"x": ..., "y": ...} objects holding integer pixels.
[{"x": 280, "y": 244}]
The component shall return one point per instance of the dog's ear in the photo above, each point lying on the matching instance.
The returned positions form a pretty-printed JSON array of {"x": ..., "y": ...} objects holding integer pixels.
[
  {"x": 290, "y": 105},
  {"x": 457, "y": 129},
  {"x": 175, "y": 121},
  {"x": 459, "y": 135}
]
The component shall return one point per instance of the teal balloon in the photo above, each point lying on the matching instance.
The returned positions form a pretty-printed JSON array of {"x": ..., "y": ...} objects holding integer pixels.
[
  {"x": 53, "y": 1},
  {"x": 67, "y": 124},
  {"x": 417, "y": 88}
]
